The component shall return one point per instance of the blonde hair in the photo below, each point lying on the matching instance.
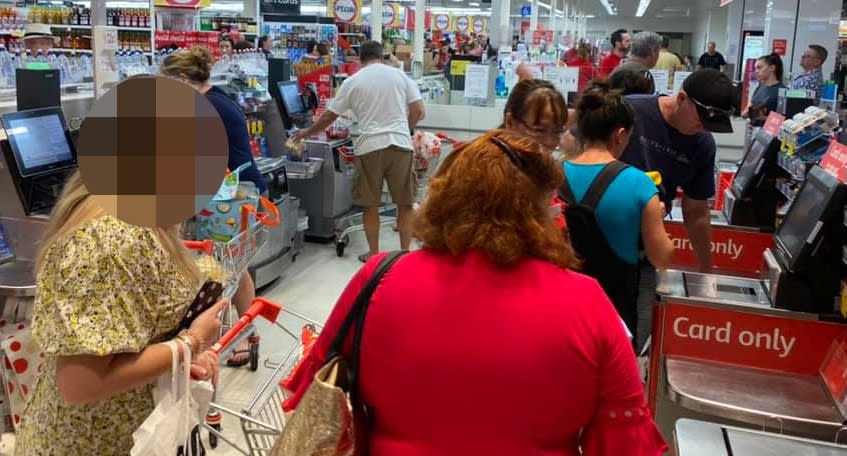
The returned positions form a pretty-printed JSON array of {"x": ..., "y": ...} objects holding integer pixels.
[
  {"x": 193, "y": 65},
  {"x": 75, "y": 207}
]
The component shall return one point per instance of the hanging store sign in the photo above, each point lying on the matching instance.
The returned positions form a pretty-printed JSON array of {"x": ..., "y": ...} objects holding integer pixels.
[
  {"x": 410, "y": 19},
  {"x": 391, "y": 16},
  {"x": 479, "y": 25},
  {"x": 542, "y": 35},
  {"x": 463, "y": 24},
  {"x": 345, "y": 11},
  {"x": 442, "y": 22},
  {"x": 186, "y": 3},
  {"x": 526, "y": 11}
]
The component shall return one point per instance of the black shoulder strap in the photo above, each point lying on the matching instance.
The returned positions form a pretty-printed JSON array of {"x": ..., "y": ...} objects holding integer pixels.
[
  {"x": 601, "y": 183},
  {"x": 566, "y": 193},
  {"x": 357, "y": 314}
]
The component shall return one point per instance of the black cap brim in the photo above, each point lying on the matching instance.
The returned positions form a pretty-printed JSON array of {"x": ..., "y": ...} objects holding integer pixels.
[{"x": 715, "y": 124}]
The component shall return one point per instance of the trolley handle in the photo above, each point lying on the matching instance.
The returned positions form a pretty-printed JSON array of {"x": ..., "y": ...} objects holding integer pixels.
[
  {"x": 259, "y": 308},
  {"x": 207, "y": 246}
]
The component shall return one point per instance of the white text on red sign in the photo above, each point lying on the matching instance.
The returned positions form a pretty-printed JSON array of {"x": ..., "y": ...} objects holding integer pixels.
[{"x": 776, "y": 340}]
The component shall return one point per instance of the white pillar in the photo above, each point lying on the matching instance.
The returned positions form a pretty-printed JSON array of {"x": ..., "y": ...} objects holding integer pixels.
[
  {"x": 551, "y": 23},
  {"x": 420, "y": 16},
  {"x": 376, "y": 21},
  {"x": 533, "y": 20},
  {"x": 504, "y": 26}
]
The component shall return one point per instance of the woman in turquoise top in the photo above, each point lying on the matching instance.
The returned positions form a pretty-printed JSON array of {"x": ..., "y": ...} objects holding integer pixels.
[{"x": 629, "y": 209}]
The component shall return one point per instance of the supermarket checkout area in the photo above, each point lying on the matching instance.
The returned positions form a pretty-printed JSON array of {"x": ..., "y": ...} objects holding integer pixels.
[{"x": 762, "y": 343}]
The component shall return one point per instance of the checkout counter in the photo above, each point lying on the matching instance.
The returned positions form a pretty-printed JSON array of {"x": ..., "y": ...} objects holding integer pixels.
[{"x": 763, "y": 352}]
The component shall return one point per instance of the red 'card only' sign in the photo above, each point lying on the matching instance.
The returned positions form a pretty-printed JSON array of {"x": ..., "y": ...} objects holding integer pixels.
[
  {"x": 775, "y": 120},
  {"x": 835, "y": 161},
  {"x": 780, "y": 46},
  {"x": 834, "y": 373}
]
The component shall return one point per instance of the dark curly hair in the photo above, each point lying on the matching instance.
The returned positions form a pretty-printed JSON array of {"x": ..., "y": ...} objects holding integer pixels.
[{"x": 493, "y": 195}]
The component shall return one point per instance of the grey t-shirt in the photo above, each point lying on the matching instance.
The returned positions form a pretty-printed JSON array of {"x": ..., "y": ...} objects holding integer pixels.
[{"x": 767, "y": 95}]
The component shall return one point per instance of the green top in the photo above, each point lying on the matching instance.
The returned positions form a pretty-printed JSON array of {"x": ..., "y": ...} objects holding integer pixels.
[{"x": 107, "y": 288}]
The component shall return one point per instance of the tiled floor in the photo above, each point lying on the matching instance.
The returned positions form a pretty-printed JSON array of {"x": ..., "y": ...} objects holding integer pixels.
[{"x": 311, "y": 287}]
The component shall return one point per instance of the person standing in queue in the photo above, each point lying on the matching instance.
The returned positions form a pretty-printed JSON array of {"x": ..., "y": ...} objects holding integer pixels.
[
  {"x": 265, "y": 45},
  {"x": 812, "y": 76},
  {"x": 194, "y": 67},
  {"x": 711, "y": 58},
  {"x": 672, "y": 135},
  {"x": 644, "y": 54},
  {"x": 388, "y": 106},
  {"x": 766, "y": 96},
  {"x": 536, "y": 110},
  {"x": 227, "y": 45},
  {"x": 621, "y": 41},
  {"x": 624, "y": 202}
]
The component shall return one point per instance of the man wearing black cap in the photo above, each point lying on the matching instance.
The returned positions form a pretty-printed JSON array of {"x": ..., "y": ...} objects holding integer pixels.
[{"x": 672, "y": 135}]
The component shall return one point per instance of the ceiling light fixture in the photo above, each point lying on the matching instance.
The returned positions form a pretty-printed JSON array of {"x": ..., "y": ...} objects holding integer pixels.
[
  {"x": 609, "y": 7},
  {"x": 642, "y": 8},
  {"x": 473, "y": 4}
]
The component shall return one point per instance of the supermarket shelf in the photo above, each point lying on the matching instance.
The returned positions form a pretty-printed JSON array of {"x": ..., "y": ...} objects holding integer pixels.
[
  {"x": 84, "y": 51},
  {"x": 351, "y": 34},
  {"x": 88, "y": 27}
]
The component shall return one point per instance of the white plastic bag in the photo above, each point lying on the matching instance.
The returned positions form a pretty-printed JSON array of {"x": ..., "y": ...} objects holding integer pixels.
[{"x": 177, "y": 411}]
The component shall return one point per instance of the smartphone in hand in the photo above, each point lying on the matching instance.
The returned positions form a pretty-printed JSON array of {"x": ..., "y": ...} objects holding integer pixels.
[{"x": 208, "y": 295}]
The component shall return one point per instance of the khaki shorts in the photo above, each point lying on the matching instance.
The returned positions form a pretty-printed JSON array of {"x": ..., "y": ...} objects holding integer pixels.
[{"x": 392, "y": 164}]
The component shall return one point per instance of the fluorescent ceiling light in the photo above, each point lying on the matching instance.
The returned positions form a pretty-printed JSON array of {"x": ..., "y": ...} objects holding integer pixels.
[
  {"x": 642, "y": 8},
  {"x": 473, "y": 4},
  {"x": 609, "y": 7},
  {"x": 544, "y": 5}
]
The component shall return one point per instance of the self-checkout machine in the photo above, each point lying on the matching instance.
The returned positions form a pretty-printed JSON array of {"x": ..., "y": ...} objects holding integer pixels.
[{"x": 755, "y": 352}]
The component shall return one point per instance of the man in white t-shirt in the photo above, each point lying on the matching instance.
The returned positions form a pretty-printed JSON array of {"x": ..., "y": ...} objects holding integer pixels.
[{"x": 387, "y": 106}]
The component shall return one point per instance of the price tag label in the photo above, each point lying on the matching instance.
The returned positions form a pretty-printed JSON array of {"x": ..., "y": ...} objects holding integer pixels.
[{"x": 110, "y": 40}]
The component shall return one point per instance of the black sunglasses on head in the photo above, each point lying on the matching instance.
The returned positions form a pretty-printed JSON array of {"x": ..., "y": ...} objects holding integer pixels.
[
  {"x": 513, "y": 156},
  {"x": 711, "y": 111}
]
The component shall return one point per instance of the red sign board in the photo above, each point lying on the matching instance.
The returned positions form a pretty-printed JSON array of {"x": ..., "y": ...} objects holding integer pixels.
[
  {"x": 774, "y": 122},
  {"x": 724, "y": 181},
  {"x": 780, "y": 46},
  {"x": 748, "y": 339},
  {"x": 524, "y": 27},
  {"x": 835, "y": 161},
  {"x": 542, "y": 35},
  {"x": 834, "y": 372},
  {"x": 734, "y": 251}
]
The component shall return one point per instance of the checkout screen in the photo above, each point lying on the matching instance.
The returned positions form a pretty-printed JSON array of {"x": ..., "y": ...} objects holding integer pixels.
[
  {"x": 804, "y": 214},
  {"x": 291, "y": 97},
  {"x": 748, "y": 167},
  {"x": 40, "y": 141}
]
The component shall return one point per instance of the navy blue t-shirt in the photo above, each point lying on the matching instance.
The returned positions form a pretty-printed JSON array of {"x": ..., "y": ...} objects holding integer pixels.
[
  {"x": 685, "y": 161},
  {"x": 235, "y": 123}
]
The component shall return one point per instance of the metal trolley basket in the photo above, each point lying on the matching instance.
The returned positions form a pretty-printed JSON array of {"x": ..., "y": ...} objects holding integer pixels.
[{"x": 262, "y": 418}]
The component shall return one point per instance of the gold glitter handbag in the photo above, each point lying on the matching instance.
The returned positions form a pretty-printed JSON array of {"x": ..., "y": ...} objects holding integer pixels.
[{"x": 330, "y": 419}]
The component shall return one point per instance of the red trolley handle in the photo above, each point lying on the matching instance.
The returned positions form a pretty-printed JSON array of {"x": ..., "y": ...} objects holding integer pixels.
[
  {"x": 259, "y": 308},
  {"x": 207, "y": 246}
]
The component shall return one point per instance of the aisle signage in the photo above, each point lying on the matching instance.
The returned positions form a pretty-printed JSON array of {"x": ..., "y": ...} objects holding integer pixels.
[
  {"x": 345, "y": 11},
  {"x": 735, "y": 251},
  {"x": 773, "y": 123},
  {"x": 779, "y": 47},
  {"x": 290, "y": 7},
  {"x": 748, "y": 339},
  {"x": 542, "y": 35},
  {"x": 442, "y": 22},
  {"x": 526, "y": 11},
  {"x": 184, "y": 3},
  {"x": 835, "y": 161},
  {"x": 463, "y": 24},
  {"x": 479, "y": 25},
  {"x": 410, "y": 19}
]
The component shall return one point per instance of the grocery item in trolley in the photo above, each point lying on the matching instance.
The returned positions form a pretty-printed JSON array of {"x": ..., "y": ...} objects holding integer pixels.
[{"x": 427, "y": 148}]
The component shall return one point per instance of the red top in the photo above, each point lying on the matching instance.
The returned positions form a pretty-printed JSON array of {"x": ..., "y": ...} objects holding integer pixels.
[
  {"x": 586, "y": 71},
  {"x": 462, "y": 357},
  {"x": 608, "y": 64}
]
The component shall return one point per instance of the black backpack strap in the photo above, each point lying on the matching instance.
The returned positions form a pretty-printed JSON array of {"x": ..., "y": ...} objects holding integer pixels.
[
  {"x": 601, "y": 183},
  {"x": 566, "y": 193}
]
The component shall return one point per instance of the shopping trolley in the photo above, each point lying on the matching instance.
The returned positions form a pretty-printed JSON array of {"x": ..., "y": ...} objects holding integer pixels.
[
  {"x": 424, "y": 168},
  {"x": 262, "y": 418},
  {"x": 226, "y": 262}
]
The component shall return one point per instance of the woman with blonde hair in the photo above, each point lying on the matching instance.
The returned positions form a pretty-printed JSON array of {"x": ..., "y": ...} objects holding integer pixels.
[
  {"x": 491, "y": 304},
  {"x": 108, "y": 293}
]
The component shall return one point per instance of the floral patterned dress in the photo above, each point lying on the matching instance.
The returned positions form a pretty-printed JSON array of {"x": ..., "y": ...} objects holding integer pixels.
[{"x": 107, "y": 288}]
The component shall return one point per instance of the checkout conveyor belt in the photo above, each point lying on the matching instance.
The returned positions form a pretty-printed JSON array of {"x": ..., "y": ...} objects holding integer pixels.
[{"x": 699, "y": 438}]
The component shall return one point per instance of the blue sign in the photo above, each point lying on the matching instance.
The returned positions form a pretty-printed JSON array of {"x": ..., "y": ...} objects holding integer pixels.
[{"x": 526, "y": 11}]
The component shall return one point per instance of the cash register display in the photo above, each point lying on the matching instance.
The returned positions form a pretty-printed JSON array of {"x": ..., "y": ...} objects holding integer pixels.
[
  {"x": 291, "y": 99},
  {"x": 748, "y": 167},
  {"x": 806, "y": 210},
  {"x": 39, "y": 141}
]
